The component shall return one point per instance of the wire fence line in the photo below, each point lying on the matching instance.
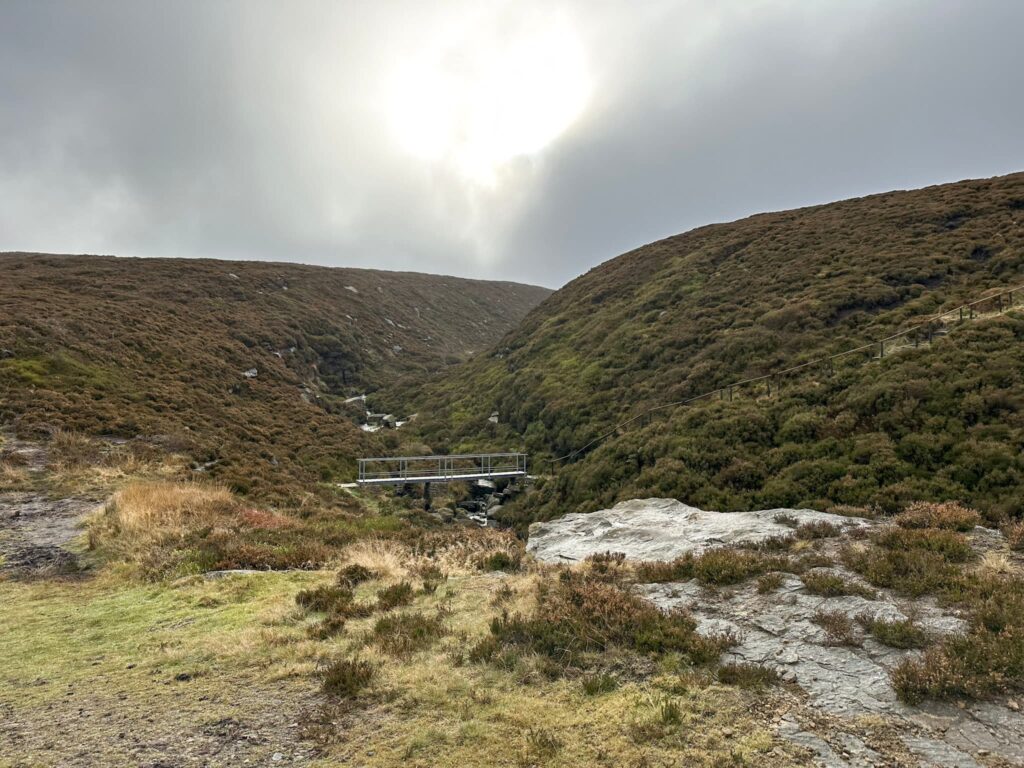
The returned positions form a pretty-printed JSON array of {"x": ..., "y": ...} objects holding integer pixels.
[{"x": 1001, "y": 302}]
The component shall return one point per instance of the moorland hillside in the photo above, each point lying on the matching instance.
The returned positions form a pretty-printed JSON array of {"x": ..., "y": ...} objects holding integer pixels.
[
  {"x": 242, "y": 366},
  {"x": 697, "y": 311}
]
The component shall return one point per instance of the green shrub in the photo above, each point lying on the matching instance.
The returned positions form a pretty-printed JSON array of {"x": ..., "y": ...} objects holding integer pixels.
[
  {"x": 817, "y": 529},
  {"x": 769, "y": 583},
  {"x": 913, "y": 572},
  {"x": 325, "y": 598},
  {"x": 353, "y": 575},
  {"x": 327, "y": 628},
  {"x": 951, "y": 546}
]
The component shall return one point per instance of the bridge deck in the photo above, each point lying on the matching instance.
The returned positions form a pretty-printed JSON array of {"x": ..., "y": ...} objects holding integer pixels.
[{"x": 399, "y": 470}]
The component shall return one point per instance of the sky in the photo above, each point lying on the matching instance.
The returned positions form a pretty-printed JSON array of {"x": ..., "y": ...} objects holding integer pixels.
[{"x": 525, "y": 141}]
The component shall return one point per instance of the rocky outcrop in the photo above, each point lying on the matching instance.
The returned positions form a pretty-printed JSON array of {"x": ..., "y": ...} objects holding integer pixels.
[
  {"x": 844, "y": 686},
  {"x": 663, "y": 529}
]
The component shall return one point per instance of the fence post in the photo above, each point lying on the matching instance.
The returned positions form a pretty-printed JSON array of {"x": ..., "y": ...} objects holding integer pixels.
[{"x": 881, "y": 350}]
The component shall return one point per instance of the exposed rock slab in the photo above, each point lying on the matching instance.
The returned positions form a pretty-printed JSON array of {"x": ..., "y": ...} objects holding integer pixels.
[
  {"x": 845, "y": 685},
  {"x": 661, "y": 529}
]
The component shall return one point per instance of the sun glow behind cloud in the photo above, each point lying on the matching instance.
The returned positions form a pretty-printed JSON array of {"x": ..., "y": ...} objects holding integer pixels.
[{"x": 483, "y": 96}]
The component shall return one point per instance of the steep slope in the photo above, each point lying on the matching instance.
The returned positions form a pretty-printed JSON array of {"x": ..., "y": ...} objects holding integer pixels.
[
  {"x": 697, "y": 311},
  {"x": 161, "y": 349}
]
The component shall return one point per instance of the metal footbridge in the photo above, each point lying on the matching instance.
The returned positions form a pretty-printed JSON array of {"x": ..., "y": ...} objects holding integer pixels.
[{"x": 400, "y": 470}]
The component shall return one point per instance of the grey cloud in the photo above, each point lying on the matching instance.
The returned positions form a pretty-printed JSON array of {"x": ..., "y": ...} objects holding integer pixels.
[{"x": 253, "y": 130}]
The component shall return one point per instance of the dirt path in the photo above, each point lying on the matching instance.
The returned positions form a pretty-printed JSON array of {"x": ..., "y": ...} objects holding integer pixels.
[
  {"x": 36, "y": 531},
  {"x": 178, "y": 724}
]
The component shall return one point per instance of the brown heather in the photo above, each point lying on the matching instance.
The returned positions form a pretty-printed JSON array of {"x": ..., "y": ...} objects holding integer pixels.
[{"x": 156, "y": 349}]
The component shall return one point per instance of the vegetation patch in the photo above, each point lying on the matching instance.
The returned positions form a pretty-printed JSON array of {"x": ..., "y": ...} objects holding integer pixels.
[
  {"x": 745, "y": 675},
  {"x": 395, "y": 596},
  {"x": 509, "y": 562},
  {"x": 913, "y": 572},
  {"x": 951, "y": 546},
  {"x": 724, "y": 566},
  {"x": 839, "y": 628},
  {"x": 769, "y": 583},
  {"x": 832, "y": 584},
  {"x": 401, "y": 634},
  {"x": 895, "y": 633},
  {"x": 574, "y": 616},
  {"x": 354, "y": 574},
  {"x": 817, "y": 529},
  {"x": 947, "y": 516},
  {"x": 597, "y": 683},
  {"x": 346, "y": 678},
  {"x": 1014, "y": 533}
]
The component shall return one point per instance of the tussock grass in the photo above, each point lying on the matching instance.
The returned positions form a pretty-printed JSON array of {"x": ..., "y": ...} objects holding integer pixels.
[
  {"x": 13, "y": 476},
  {"x": 143, "y": 513},
  {"x": 597, "y": 683}
]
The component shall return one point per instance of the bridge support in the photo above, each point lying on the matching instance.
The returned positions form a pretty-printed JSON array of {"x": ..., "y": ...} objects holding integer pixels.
[{"x": 426, "y": 497}]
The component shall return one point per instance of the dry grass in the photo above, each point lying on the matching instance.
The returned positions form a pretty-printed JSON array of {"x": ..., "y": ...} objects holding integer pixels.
[
  {"x": 454, "y": 551},
  {"x": 12, "y": 477},
  {"x": 146, "y": 512},
  {"x": 387, "y": 559}
]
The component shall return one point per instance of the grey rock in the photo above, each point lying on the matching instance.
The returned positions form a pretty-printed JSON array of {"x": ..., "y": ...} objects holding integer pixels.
[{"x": 661, "y": 529}]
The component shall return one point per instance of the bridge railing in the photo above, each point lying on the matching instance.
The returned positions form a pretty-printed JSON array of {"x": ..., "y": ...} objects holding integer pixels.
[{"x": 395, "y": 470}]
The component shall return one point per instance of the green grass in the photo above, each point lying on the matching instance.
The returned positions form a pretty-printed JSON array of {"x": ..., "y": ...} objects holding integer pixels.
[{"x": 72, "y": 633}]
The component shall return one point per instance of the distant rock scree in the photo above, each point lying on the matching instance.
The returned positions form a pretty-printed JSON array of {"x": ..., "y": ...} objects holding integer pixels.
[{"x": 663, "y": 529}]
